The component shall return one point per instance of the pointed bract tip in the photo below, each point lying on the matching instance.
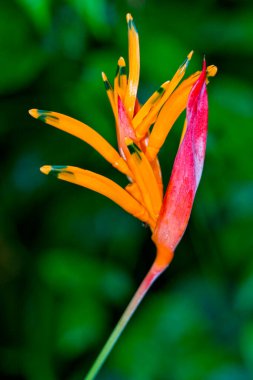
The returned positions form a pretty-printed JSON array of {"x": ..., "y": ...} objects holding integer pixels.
[
  {"x": 33, "y": 112},
  {"x": 129, "y": 17},
  {"x": 189, "y": 56},
  {"x": 204, "y": 64},
  {"x": 45, "y": 169},
  {"x": 103, "y": 76}
]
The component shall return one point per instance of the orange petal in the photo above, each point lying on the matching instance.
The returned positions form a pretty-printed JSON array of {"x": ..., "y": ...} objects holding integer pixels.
[
  {"x": 134, "y": 66},
  {"x": 142, "y": 113},
  {"x": 183, "y": 131},
  {"x": 101, "y": 185},
  {"x": 154, "y": 164},
  {"x": 141, "y": 169},
  {"x": 143, "y": 128},
  {"x": 170, "y": 112},
  {"x": 85, "y": 133},
  {"x": 168, "y": 115},
  {"x": 145, "y": 179},
  {"x": 120, "y": 81},
  {"x": 110, "y": 94},
  {"x": 133, "y": 189},
  {"x": 158, "y": 174}
]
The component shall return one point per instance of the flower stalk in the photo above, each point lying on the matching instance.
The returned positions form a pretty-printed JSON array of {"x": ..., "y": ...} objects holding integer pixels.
[{"x": 154, "y": 272}]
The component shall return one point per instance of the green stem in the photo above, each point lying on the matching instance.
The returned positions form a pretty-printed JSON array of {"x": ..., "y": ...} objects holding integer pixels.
[{"x": 151, "y": 276}]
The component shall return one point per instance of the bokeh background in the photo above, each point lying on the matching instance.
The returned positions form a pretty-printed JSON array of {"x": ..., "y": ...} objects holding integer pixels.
[{"x": 70, "y": 259}]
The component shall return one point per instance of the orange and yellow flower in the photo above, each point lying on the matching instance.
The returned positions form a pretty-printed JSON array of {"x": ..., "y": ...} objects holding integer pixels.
[{"x": 141, "y": 132}]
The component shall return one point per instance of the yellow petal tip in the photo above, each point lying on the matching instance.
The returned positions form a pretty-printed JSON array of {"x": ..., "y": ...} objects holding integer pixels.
[
  {"x": 45, "y": 169},
  {"x": 189, "y": 56},
  {"x": 212, "y": 70},
  {"x": 129, "y": 17},
  {"x": 121, "y": 61},
  {"x": 33, "y": 112}
]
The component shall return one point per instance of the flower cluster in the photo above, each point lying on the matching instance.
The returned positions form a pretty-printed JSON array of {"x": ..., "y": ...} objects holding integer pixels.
[{"x": 141, "y": 132}]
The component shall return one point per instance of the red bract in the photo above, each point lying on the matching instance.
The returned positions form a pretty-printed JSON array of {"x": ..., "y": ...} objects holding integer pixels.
[{"x": 186, "y": 174}]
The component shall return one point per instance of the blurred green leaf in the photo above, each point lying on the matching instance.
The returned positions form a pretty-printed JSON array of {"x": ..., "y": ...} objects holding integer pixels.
[
  {"x": 94, "y": 15},
  {"x": 243, "y": 299},
  {"x": 229, "y": 33},
  {"x": 62, "y": 37},
  {"x": 66, "y": 271},
  {"x": 39, "y": 11},
  {"x": 81, "y": 323},
  {"x": 229, "y": 371},
  {"x": 21, "y": 58},
  {"x": 247, "y": 344}
]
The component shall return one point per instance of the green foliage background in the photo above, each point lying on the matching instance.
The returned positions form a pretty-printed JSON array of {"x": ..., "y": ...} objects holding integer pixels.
[{"x": 70, "y": 259}]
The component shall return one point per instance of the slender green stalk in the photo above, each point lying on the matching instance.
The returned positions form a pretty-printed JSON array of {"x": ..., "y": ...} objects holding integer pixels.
[{"x": 151, "y": 276}]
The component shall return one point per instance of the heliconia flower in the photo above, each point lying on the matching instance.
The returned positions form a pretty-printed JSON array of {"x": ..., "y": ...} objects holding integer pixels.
[
  {"x": 141, "y": 131},
  {"x": 186, "y": 173}
]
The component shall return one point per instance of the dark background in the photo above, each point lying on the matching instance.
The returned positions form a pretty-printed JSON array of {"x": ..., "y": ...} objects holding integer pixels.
[{"x": 70, "y": 259}]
